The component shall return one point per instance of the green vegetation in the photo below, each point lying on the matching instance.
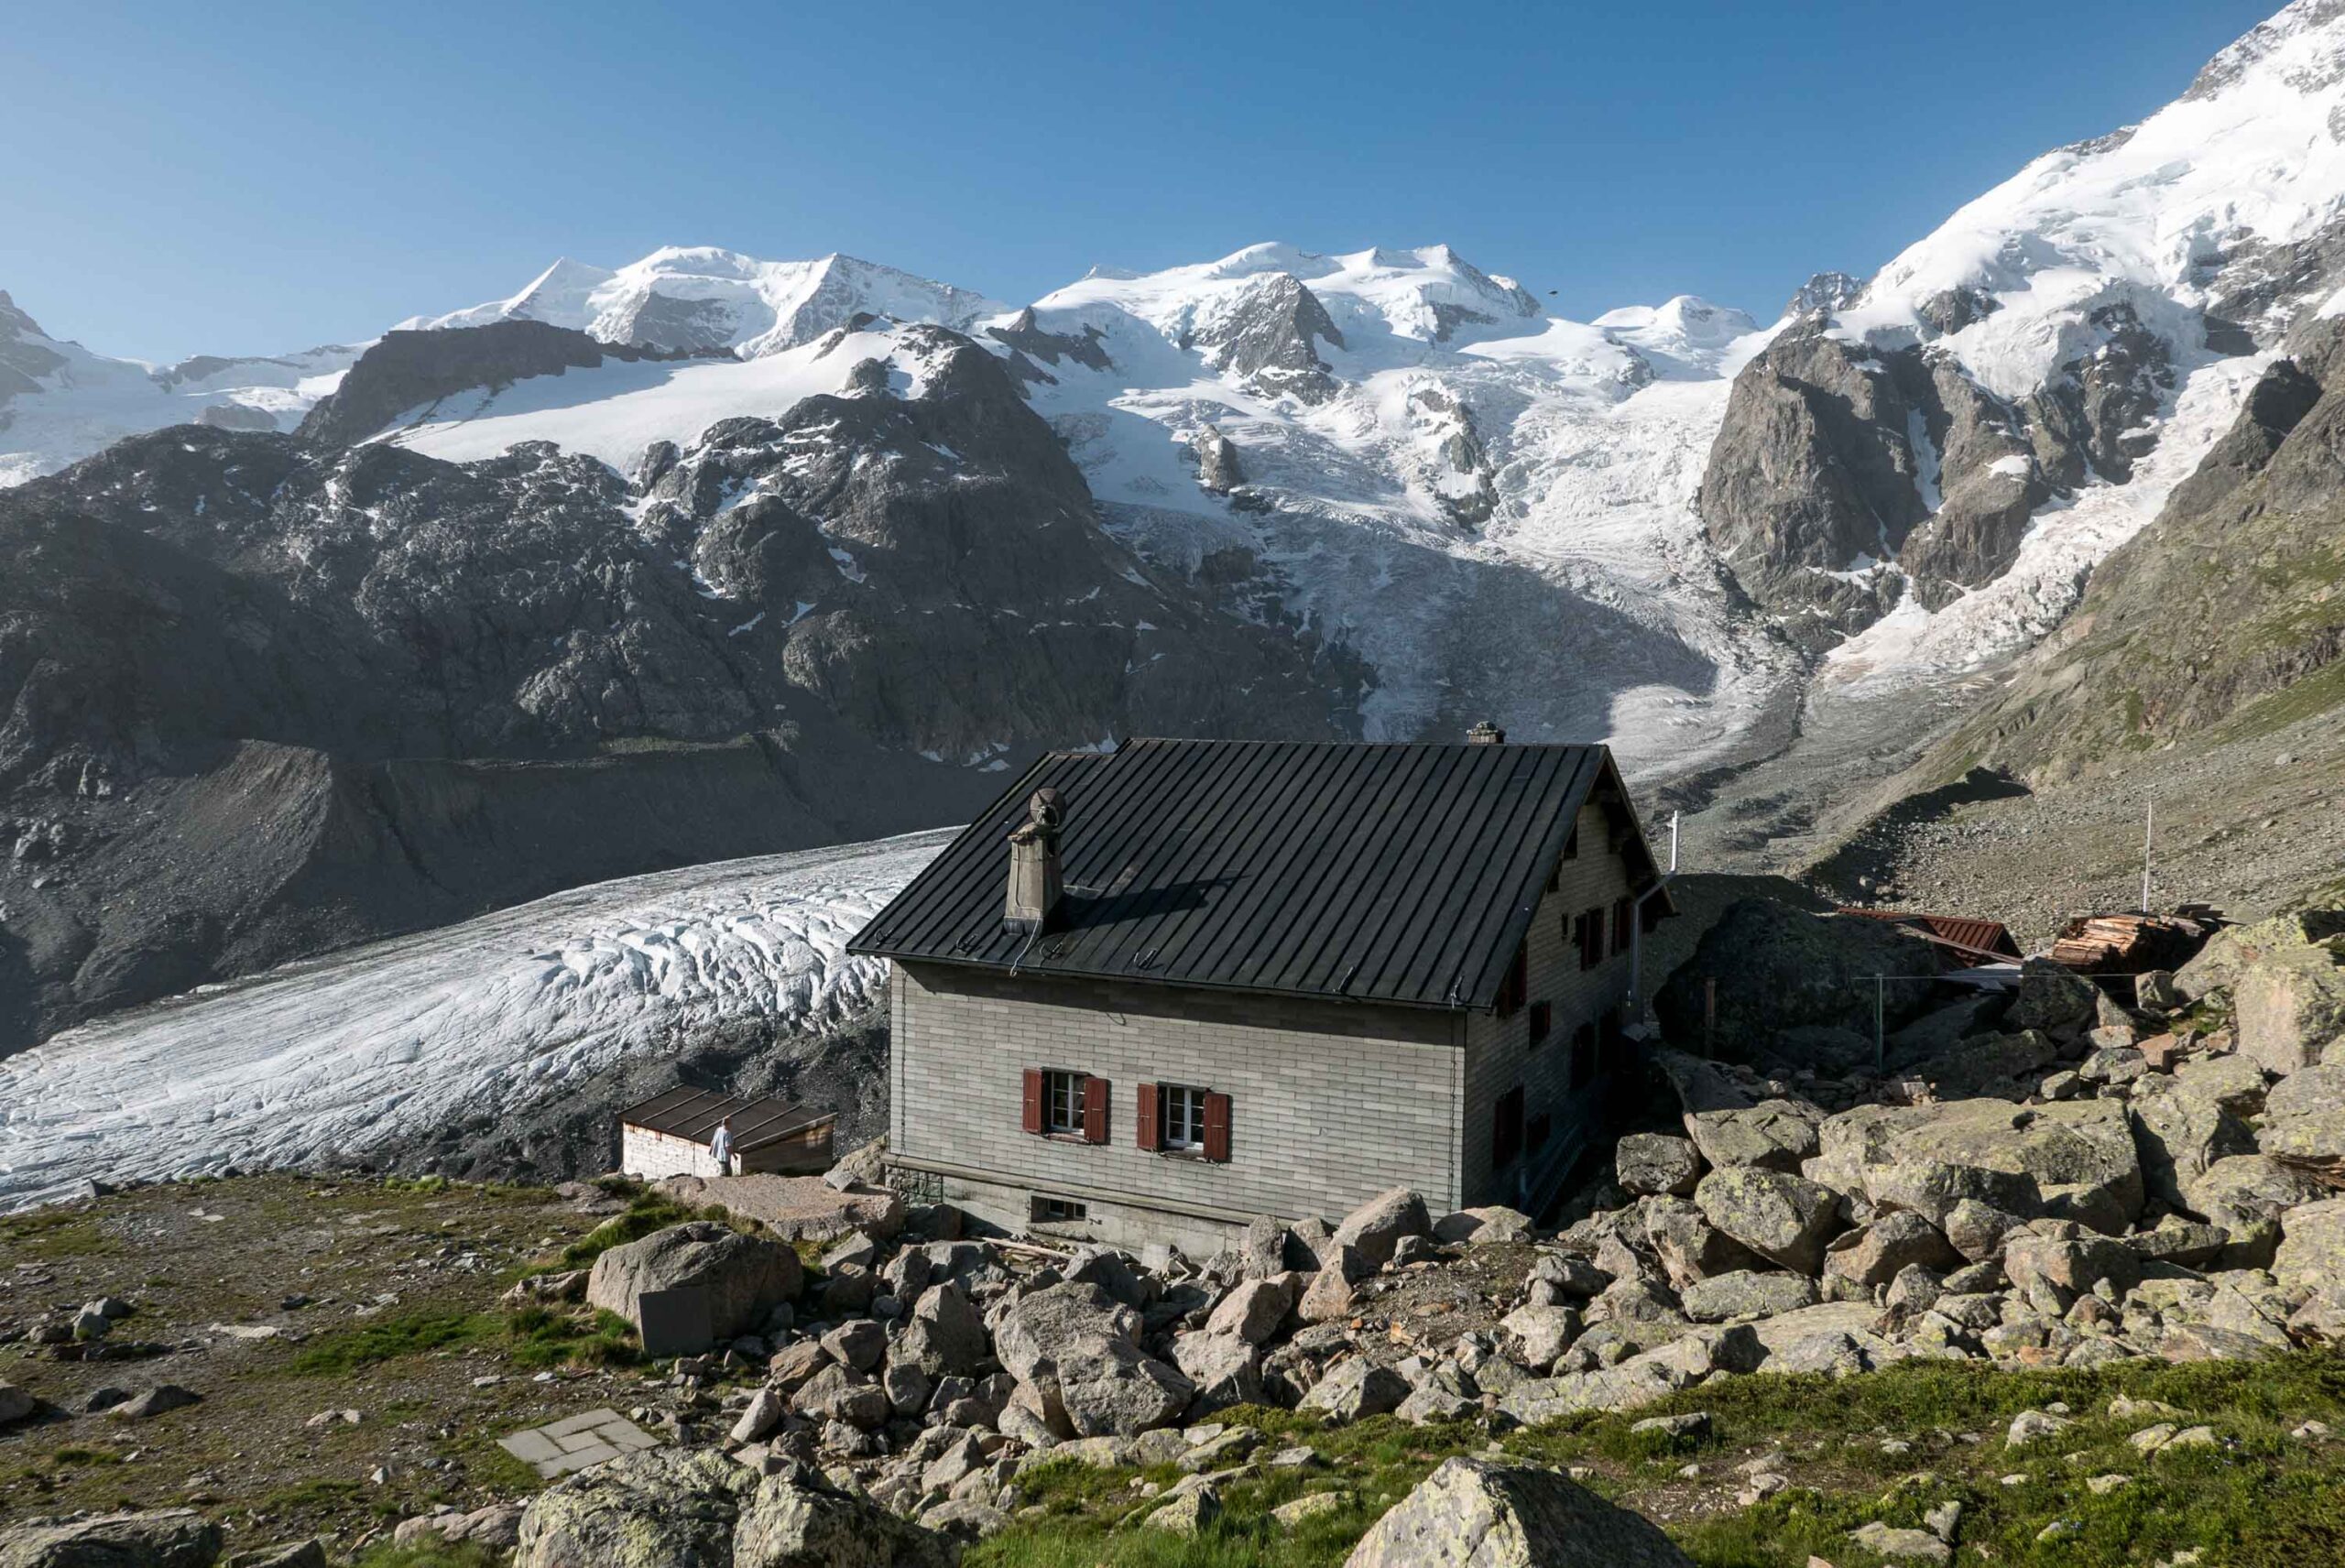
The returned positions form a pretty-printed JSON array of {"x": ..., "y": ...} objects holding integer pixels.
[
  {"x": 2275, "y": 711},
  {"x": 435, "y": 1554},
  {"x": 2257, "y": 1498},
  {"x": 51, "y": 1233},
  {"x": 533, "y": 1337},
  {"x": 648, "y": 1212}
]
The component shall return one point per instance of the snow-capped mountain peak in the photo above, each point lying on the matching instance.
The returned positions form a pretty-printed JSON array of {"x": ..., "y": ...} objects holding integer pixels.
[
  {"x": 1684, "y": 339},
  {"x": 701, "y": 297}
]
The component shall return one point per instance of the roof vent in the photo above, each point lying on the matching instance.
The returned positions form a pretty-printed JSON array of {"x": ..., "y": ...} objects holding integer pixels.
[
  {"x": 1486, "y": 733},
  {"x": 1035, "y": 886}
]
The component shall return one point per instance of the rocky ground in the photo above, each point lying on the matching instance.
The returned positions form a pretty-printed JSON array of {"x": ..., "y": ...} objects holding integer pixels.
[{"x": 2059, "y": 1280}]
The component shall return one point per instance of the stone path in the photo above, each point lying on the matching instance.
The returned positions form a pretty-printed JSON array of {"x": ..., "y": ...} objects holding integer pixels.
[{"x": 576, "y": 1442}]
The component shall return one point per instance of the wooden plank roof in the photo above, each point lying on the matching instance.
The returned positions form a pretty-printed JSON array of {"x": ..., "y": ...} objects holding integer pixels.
[
  {"x": 1978, "y": 939},
  {"x": 687, "y": 1111},
  {"x": 1403, "y": 873}
]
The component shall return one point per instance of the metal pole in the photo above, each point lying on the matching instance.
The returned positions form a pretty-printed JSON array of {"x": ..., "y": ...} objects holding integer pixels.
[
  {"x": 1879, "y": 1036},
  {"x": 2149, "y": 827}
]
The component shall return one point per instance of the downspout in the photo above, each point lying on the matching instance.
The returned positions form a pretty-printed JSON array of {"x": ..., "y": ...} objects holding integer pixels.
[{"x": 1637, "y": 924}]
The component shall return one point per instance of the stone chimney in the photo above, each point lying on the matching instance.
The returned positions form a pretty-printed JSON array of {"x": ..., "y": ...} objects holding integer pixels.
[
  {"x": 1032, "y": 906},
  {"x": 1486, "y": 733}
]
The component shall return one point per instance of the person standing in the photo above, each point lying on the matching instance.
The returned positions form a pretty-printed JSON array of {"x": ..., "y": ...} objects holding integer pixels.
[{"x": 720, "y": 1147}]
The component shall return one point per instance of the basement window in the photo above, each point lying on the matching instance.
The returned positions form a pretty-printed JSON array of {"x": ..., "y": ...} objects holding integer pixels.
[{"x": 1057, "y": 1211}]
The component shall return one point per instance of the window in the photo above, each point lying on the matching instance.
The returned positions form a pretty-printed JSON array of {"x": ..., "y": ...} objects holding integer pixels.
[
  {"x": 1058, "y": 1211},
  {"x": 1543, "y": 1021},
  {"x": 1583, "y": 1056},
  {"x": 1516, "y": 987},
  {"x": 1062, "y": 1103},
  {"x": 1506, "y": 1129},
  {"x": 1181, "y": 1112},
  {"x": 1624, "y": 921},
  {"x": 1590, "y": 930},
  {"x": 1540, "y": 1129},
  {"x": 1178, "y": 1118}
]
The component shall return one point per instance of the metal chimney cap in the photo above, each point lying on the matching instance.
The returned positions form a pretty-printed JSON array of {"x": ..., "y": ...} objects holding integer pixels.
[{"x": 1486, "y": 733}]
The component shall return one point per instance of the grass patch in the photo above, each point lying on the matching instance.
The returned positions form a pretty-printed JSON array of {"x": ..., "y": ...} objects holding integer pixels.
[
  {"x": 55, "y": 1232},
  {"x": 413, "y": 1333},
  {"x": 433, "y": 1554},
  {"x": 648, "y": 1212},
  {"x": 533, "y": 1337},
  {"x": 75, "y": 1454},
  {"x": 2261, "y": 1498}
]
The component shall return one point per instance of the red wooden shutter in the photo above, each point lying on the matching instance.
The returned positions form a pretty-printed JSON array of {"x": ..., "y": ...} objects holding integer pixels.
[
  {"x": 1148, "y": 1123},
  {"x": 1033, "y": 1099},
  {"x": 1217, "y": 1126},
  {"x": 1095, "y": 1110}
]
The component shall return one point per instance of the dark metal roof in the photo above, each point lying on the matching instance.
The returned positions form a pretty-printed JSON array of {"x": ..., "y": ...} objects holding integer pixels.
[
  {"x": 1404, "y": 874},
  {"x": 690, "y": 1113}
]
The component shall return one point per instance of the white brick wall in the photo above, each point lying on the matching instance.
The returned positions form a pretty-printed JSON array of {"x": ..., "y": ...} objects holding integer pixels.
[
  {"x": 1499, "y": 1054},
  {"x": 1319, "y": 1119}
]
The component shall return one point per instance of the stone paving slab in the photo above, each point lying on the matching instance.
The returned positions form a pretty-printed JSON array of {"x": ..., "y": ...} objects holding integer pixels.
[{"x": 576, "y": 1443}]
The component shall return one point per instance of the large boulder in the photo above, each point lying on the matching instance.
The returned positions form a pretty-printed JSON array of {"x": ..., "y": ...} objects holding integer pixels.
[
  {"x": 1376, "y": 1227},
  {"x": 1355, "y": 1390},
  {"x": 1776, "y": 967},
  {"x": 1253, "y": 1311},
  {"x": 798, "y": 1519},
  {"x": 1877, "y": 1253},
  {"x": 2229, "y": 953},
  {"x": 2050, "y": 1271},
  {"x": 1774, "y": 1135},
  {"x": 2181, "y": 1126},
  {"x": 2249, "y": 1191},
  {"x": 1654, "y": 1162},
  {"x": 165, "y": 1537},
  {"x": 1745, "y": 1294},
  {"x": 1079, "y": 1350},
  {"x": 2312, "y": 1246},
  {"x": 2305, "y": 1113},
  {"x": 1788, "y": 1220},
  {"x": 746, "y": 1277},
  {"x": 2053, "y": 997},
  {"x": 945, "y": 1337},
  {"x": 2289, "y": 1005},
  {"x": 1689, "y": 1244},
  {"x": 1222, "y": 1368},
  {"x": 1472, "y": 1514},
  {"x": 659, "y": 1508},
  {"x": 2074, "y": 1160}
]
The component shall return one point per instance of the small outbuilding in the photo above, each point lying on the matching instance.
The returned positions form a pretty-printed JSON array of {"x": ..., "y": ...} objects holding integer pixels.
[
  {"x": 1963, "y": 941},
  {"x": 670, "y": 1135}
]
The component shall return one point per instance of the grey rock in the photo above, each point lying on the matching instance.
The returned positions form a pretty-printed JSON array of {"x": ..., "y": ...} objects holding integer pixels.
[
  {"x": 1355, "y": 1388},
  {"x": 1746, "y": 1295},
  {"x": 2312, "y": 1246},
  {"x": 745, "y": 1277},
  {"x": 2053, "y": 997},
  {"x": 1786, "y": 1219},
  {"x": 658, "y": 1508},
  {"x": 1376, "y": 1227},
  {"x": 1690, "y": 1244},
  {"x": 1774, "y": 1135},
  {"x": 1876, "y": 1253},
  {"x": 1472, "y": 1514},
  {"x": 1778, "y": 967},
  {"x": 945, "y": 1336},
  {"x": 2180, "y": 1130},
  {"x": 1539, "y": 1335},
  {"x": 1080, "y": 1349},
  {"x": 1652, "y": 1162},
  {"x": 163, "y": 1538},
  {"x": 1224, "y": 1368},
  {"x": 153, "y": 1402},
  {"x": 2076, "y": 1161}
]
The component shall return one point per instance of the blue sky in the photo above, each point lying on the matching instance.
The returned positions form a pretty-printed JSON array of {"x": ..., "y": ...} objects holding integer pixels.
[{"x": 256, "y": 175}]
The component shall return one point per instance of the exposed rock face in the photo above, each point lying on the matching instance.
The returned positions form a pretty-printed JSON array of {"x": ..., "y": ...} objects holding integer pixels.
[
  {"x": 296, "y": 696},
  {"x": 746, "y": 1277},
  {"x": 2064, "y": 1162},
  {"x": 1269, "y": 338},
  {"x": 1811, "y": 471},
  {"x": 1470, "y": 1514},
  {"x": 408, "y": 372},
  {"x": 2160, "y": 647}
]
